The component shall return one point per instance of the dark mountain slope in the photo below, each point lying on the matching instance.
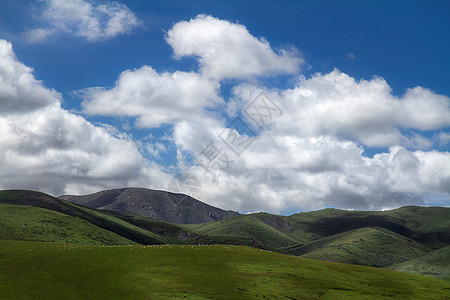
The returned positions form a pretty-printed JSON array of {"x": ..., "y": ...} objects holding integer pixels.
[{"x": 158, "y": 205}]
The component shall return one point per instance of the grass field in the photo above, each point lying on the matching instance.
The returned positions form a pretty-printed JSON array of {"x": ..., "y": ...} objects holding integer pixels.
[{"x": 33, "y": 270}]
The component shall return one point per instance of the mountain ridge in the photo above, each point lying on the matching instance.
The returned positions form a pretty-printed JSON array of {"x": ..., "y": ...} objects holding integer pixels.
[{"x": 155, "y": 204}]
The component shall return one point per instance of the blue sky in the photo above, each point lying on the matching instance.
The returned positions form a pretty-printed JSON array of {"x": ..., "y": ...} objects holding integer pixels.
[{"x": 406, "y": 43}]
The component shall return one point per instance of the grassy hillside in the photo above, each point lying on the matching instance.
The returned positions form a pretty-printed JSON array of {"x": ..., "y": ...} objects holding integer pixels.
[
  {"x": 345, "y": 236},
  {"x": 253, "y": 227},
  {"x": 131, "y": 228},
  {"x": 179, "y": 234},
  {"x": 37, "y": 224},
  {"x": 99, "y": 219},
  {"x": 435, "y": 264},
  {"x": 376, "y": 247},
  {"x": 32, "y": 270},
  {"x": 427, "y": 225},
  {"x": 366, "y": 238}
]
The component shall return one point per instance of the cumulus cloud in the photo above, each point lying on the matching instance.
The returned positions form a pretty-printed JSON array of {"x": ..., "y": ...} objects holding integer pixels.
[
  {"x": 47, "y": 148},
  {"x": 153, "y": 98},
  {"x": 289, "y": 172},
  {"x": 19, "y": 90},
  {"x": 83, "y": 19},
  {"x": 228, "y": 50},
  {"x": 364, "y": 110},
  {"x": 312, "y": 154}
]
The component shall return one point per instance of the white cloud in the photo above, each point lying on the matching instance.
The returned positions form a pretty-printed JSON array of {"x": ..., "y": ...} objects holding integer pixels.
[
  {"x": 154, "y": 149},
  {"x": 443, "y": 138},
  {"x": 38, "y": 35},
  {"x": 228, "y": 50},
  {"x": 278, "y": 173},
  {"x": 83, "y": 19},
  {"x": 311, "y": 156},
  {"x": 47, "y": 148},
  {"x": 19, "y": 90},
  {"x": 422, "y": 109},
  {"x": 153, "y": 98},
  {"x": 364, "y": 110}
]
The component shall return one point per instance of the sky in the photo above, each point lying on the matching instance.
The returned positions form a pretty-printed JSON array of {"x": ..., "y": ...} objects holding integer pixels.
[{"x": 277, "y": 106}]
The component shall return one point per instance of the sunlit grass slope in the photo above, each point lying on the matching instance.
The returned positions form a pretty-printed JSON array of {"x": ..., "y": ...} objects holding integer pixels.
[
  {"x": 30, "y": 223},
  {"x": 32, "y": 270},
  {"x": 96, "y": 218}
]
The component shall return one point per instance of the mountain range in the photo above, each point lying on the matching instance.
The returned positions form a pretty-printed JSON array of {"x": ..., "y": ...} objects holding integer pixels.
[{"x": 411, "y": 238}]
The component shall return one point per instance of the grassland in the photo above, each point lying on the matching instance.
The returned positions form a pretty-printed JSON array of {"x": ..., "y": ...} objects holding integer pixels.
[{"x": 33, "y": 270}]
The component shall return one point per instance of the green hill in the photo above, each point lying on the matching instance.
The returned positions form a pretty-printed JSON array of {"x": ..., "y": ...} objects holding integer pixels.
[
  {"x": 268, "y": 229},
  {"x": 428, "y": 225},
  {"x": 370, "y": 246},
  {"x": 29, "y": 223},
  {"x": 179, "y": 234},
  {"x": 435, "y": 264},
  {"x": 96, "y": 218},
  {"x": 32, "y": 270},
  {"x": 132, "y": 229},
  {"x": 369, "y": 238}
]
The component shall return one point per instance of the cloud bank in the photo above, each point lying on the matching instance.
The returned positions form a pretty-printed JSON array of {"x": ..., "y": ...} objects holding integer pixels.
[
  {"x": 313, "y": 155},
  {"x": 310, "y": 156},
  {"x": 47, "y": 148}
]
